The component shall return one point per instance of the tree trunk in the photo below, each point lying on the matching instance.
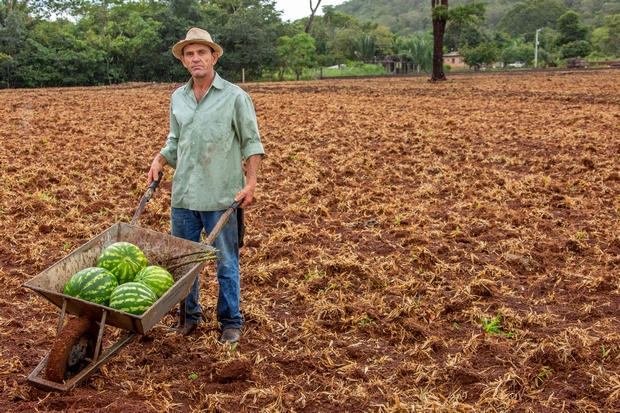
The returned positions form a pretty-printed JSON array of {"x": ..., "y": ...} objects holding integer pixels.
[
  {"x": 439, "y": 28},
  {"x": 313, "y": 10}
]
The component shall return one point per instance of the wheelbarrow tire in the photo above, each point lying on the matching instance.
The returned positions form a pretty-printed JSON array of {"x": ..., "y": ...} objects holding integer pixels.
[{"x": 73, "y": 349}]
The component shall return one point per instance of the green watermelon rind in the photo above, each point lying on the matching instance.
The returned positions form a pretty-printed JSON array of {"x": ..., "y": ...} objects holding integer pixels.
[
  {"x": 133, "y": 298},
  {"x": 158, "y": 279},
  {"x": 92, "y": 284},
  {"x": 123, "y": 259}
]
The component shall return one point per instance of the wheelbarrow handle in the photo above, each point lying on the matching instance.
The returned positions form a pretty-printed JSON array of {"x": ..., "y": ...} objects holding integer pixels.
[
  {"x": 222, "y": 222},
  {"x": 146, "y": 198}
]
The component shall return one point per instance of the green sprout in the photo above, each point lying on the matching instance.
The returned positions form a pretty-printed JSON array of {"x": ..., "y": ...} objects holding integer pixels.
[
  {"x": 192, "y": 376},
  {"x": 493, "y": 327},
  {"x": 541, "y": 377},
  {"x": 365, "y": 321},
  {"x": 313, "y": 274},
  {"x": 605, "y": 352}
]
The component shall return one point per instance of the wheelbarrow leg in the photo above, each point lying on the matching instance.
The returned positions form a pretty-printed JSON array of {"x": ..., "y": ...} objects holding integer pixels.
[
  {"x": 182, "y": 314},
  {"x": 62, "y": 316},
  {"x": 100, "y": 336},
  {"x": 83, "y": 375}
]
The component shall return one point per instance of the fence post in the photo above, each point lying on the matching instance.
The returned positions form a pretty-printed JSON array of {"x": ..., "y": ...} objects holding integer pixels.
[{"x": 242, "y": 75}]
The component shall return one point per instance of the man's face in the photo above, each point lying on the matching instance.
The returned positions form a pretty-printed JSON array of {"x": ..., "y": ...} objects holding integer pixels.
[{"x": 199, "y": 59}]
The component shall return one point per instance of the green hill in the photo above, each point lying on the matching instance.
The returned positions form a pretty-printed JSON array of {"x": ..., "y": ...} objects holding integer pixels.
[{"x": 404, "y": 17}]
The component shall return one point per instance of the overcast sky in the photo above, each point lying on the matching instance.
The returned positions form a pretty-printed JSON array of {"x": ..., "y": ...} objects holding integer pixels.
[{"x": 296, "y": 9}]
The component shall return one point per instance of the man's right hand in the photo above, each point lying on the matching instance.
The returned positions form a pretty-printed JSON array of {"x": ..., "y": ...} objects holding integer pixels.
[{"x": 156, "y": 166}]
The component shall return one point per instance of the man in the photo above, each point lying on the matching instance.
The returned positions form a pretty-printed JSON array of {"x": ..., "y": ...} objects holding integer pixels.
[{"x": 213, "y": 128}]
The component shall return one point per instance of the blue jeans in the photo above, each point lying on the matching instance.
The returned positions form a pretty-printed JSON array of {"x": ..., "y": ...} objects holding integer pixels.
[{"x": 188, "y": 225}]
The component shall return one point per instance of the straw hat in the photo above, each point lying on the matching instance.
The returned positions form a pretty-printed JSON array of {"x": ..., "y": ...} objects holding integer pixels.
[{"x": 195, "y": 35}]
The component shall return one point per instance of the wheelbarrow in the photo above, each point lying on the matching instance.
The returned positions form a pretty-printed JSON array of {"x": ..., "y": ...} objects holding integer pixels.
[{"x": 77, "y": 352}]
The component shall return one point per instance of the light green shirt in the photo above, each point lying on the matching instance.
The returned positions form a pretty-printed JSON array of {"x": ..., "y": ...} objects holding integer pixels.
[{"x": 206, "y": 143}]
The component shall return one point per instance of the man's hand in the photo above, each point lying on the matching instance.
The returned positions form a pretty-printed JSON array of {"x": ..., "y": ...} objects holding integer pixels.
[
  {"x": 156, "y": 166},
  {"x": 252, "y": 164}
]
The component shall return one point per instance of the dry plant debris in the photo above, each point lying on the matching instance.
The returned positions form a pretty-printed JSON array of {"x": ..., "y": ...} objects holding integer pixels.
[{"x": 446, "y": 247}]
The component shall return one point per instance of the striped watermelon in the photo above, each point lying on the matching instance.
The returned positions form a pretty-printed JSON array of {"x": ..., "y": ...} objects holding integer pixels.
[
  {"x": 122, "y": 259},
  {"x": 92, "y": 284},
  {"x": 131, "y": 297},
  {"x": 158, "y": 279}
]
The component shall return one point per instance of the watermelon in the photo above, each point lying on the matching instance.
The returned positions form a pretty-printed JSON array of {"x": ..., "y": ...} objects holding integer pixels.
[
  {"x": 132, "y": 297},
  {"x": 158, "y": 279},
  {"x": 122, "y": 259},
  {"x": 92, "y": 284}
]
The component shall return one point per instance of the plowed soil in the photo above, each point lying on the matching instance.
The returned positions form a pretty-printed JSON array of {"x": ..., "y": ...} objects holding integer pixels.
[{"x": 446, "y": 247}]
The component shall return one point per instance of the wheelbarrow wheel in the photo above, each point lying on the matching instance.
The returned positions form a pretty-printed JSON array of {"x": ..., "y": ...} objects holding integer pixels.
[{"x": 73, "y": 349}]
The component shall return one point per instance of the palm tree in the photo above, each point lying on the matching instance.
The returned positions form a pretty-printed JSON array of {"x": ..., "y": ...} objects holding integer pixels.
[
  {"x": 365, "y": 47},
  {"x": 419, "y": 48}
]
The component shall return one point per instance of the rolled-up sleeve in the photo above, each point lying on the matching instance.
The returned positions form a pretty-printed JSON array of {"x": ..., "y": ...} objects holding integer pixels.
[
  {"x": 246, "y": 126},
  {"x": 170, "y": 150}
]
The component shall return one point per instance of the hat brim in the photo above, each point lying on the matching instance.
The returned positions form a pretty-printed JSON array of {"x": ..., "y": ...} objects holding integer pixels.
[{"x": 177, "y": 49}]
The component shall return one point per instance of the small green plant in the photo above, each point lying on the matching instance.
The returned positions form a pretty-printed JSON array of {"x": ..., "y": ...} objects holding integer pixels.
[
  {"x": 493, "y": 326},
  {"x": 365, "y": 321},
  {"x": 605, "y": 352},
  {"x": 398, "y": 219},
  {"x": 192, "y": 376},
  {"x": 66, "y": 246},
  {"x": 294, "y": 158},
  {"x": 455, "y": 325},
  {"x": 304, "y": 200},
  {"x": 234, "y": 346},
  {"x": 541, "y": 377},
  {"x": 313, "y": 274},
  {"x": 412, "y": 258},
  {"x": 581, "y": 235}
]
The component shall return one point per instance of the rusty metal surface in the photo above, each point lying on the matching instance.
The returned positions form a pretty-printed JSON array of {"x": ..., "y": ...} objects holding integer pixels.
[{"x": 156, "y": 246}]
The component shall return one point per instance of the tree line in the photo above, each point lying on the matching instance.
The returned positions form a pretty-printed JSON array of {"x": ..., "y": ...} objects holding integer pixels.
[{"x": 50, "y": 43}]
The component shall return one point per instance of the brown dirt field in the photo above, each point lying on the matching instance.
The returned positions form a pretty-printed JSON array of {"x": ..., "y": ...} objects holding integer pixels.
[{"x": 394, "y": 221}]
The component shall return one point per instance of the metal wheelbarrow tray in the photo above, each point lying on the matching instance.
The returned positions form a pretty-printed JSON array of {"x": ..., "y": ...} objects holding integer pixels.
[{"x": 157, "y": 247}]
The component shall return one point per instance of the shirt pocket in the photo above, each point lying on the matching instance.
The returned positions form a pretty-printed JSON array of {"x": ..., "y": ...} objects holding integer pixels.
[{"x": 217, "y": 132}]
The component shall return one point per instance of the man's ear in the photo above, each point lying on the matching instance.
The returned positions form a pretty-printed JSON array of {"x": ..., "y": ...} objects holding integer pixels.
[{"x": 216, "y": 56}]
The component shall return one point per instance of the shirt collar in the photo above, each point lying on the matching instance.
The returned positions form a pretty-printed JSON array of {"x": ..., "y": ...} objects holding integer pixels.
[{"x": 218, "y": 83}]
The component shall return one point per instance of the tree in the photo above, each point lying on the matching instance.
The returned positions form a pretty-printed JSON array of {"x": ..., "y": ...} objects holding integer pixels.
[
  {"x": 484, "y": 53},
  {"x": 419, "y": 48},
  {"x": 607, "y": 38},
  {"x": 468, "y": 33},
  {"x": 296, "y": 53},
  {"x": 441, "y": 15},
  {"x": 521, "y": 53},
  {"x": 570, "y": 29},
  {"x": 365, "y": 48},
  {"x": 525, "y": 18},
  {"x": 249, "y": 40},
  {"x": 580, "y": 48},
  {"x": 312, "y": 13}
]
